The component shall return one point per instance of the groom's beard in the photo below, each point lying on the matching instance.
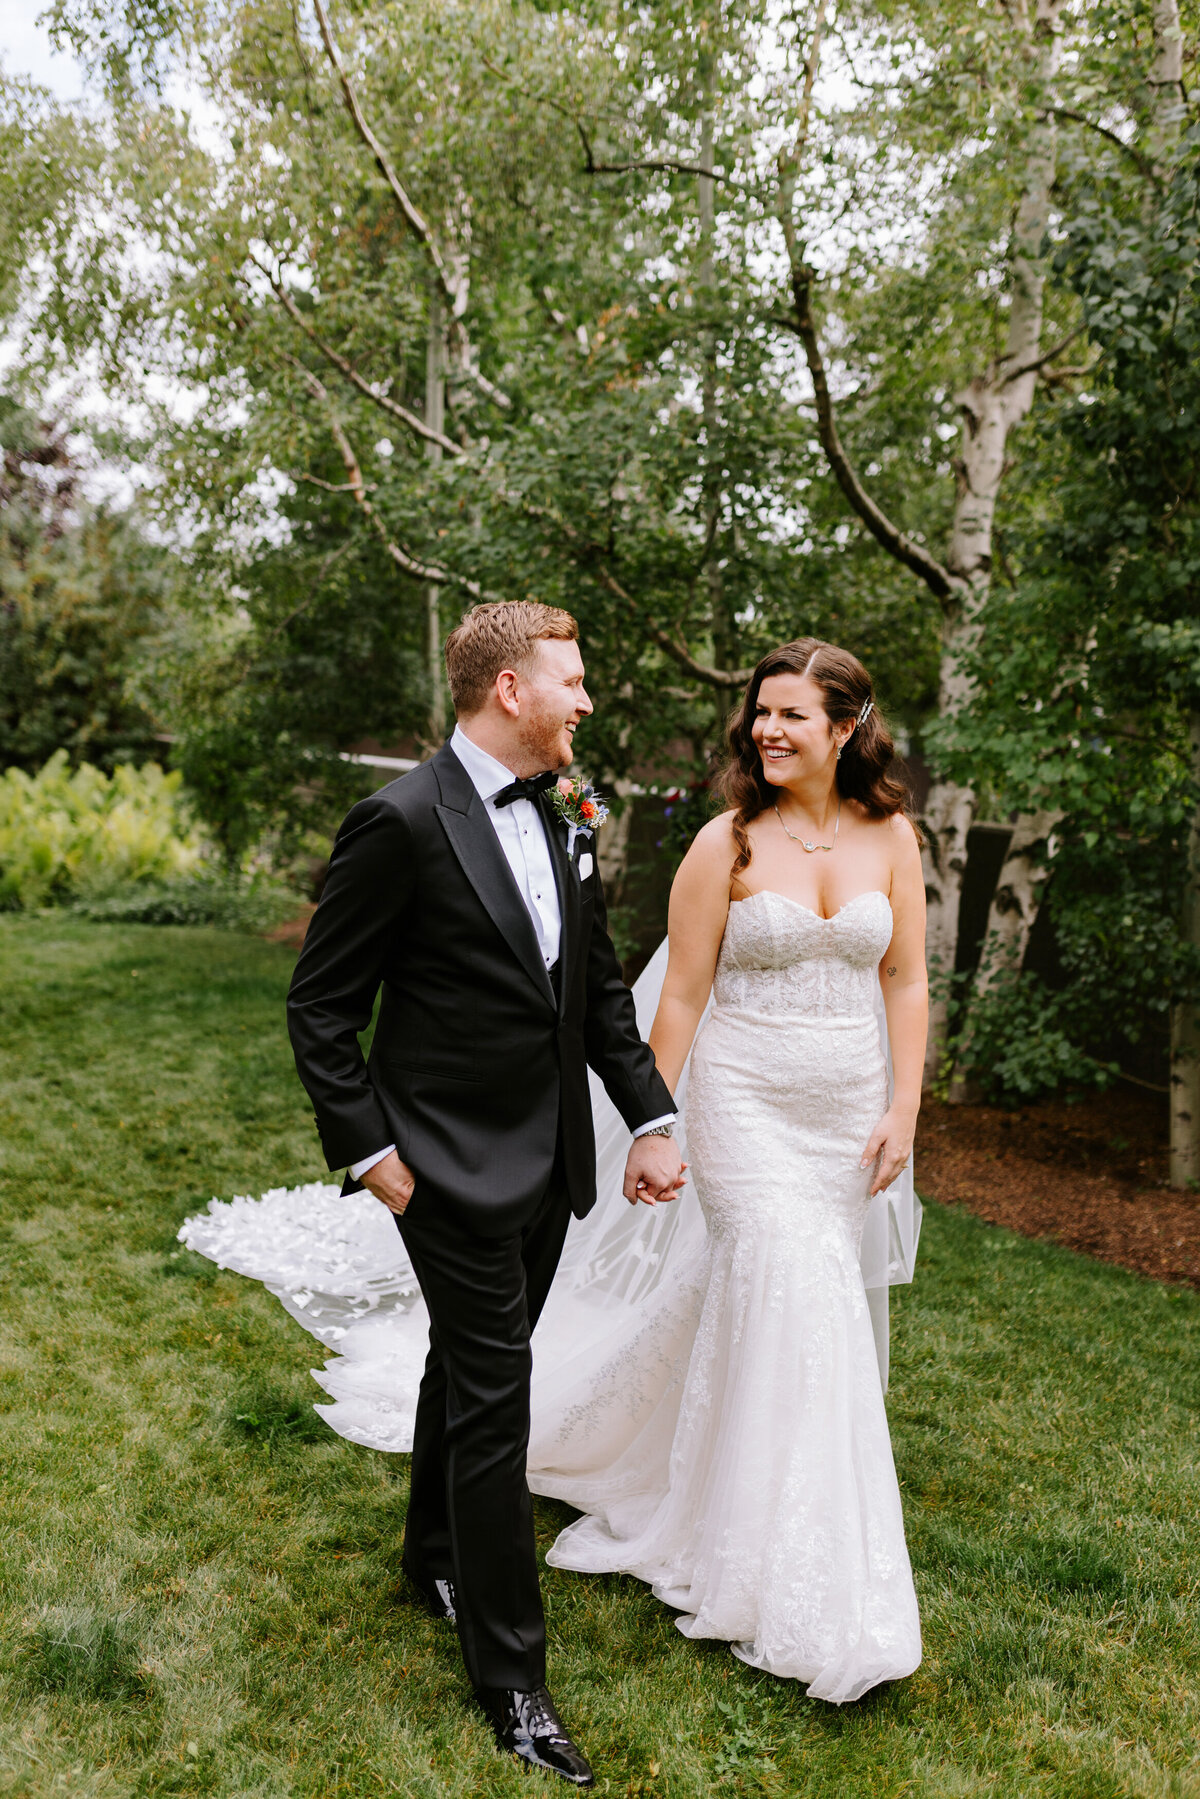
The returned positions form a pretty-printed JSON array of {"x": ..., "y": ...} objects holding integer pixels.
[{"x": 545, "y": 739}]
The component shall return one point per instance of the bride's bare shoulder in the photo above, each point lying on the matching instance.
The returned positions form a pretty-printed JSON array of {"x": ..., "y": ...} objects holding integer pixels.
[
  {"x": 902, "y": 837},
  {"x": 896, "y": 830},
  {"x": 700, "y": 891},
  {"x": 714, "y": 845},
  {"x": 710, "y": 857}
]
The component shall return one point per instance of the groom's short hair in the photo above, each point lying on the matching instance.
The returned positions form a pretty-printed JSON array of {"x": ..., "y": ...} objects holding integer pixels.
[{"x": 496, "y": 636}]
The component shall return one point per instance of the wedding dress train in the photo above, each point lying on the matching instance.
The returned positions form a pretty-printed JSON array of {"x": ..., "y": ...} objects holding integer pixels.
[{"x": 707, "y": 1379}]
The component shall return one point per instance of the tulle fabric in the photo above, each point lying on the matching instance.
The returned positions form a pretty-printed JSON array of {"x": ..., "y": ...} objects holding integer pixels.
[
  {"x": 641, "y": 1294},
  {"x": 733, "y": 1451},
  {"x": 339, "y": 1267}
]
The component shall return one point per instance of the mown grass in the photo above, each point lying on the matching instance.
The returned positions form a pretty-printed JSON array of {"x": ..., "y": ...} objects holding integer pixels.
[{"x": 199, "y": 1587}]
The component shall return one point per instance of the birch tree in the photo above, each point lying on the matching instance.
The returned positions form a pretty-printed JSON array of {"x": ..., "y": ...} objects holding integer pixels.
[
  {"x": 1019, "y": 887},
  {"x": 676, "y": 270},
  {"x": 1086, "y": 679},
  {"x": 1168, "y": 105},
  {"x": 991, "y": 401}
]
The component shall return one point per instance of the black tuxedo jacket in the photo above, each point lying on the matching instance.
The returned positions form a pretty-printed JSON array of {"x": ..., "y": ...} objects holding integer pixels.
[{"x": 477, "y": 1068}]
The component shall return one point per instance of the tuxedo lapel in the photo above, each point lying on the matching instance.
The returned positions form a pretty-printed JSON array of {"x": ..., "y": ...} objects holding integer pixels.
[
  {"x": 567, "y": 880},
  {"x": 473, "y": 839}
]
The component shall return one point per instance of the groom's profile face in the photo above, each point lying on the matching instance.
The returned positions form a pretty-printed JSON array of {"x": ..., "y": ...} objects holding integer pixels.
[{"x": 553, "y": 700}]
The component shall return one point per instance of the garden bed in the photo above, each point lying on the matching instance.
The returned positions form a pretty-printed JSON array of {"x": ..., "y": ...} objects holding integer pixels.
[{"x": 1091, "y": 1175}]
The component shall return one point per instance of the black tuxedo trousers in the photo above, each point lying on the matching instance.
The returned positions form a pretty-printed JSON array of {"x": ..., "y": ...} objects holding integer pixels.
[
  {"x": 470, "y": 1516},
  {"x": 478, "y": 1073}
]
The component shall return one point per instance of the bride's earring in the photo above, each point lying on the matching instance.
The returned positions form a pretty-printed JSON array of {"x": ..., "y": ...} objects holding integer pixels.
[{"x": 838, "y": 757}]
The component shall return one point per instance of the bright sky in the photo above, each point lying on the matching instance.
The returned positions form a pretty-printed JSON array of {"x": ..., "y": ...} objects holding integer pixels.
[{"x": 25, "y": 49}]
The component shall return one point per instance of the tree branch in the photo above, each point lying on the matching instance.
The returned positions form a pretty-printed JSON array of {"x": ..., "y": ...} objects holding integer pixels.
[
  {"x": 789, "y": 157},
  {"x": 327, "y": 486},
  {"x": 454, "y": 290},
  {"x": 591, "y": 166},
  {"x": 466, "y": 370},
  {"x": 1038, "y": 362},
  {"x": 410, "y": 420},
  {"x": 590, "y": 554},
  {"x": 1142, "y": 163},
  {"x": 1074, "y": 371},
  {"x": 664, "y": 166},
  {"x": 407, "y": 563},
  {"x": 678, "y": 652},
  {"x": 913, "y": 555},
  {"x": 938, "y": 578}
]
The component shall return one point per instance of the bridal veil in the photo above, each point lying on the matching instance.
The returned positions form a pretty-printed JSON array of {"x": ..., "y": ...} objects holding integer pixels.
[{"x": 338, "y": 1266}]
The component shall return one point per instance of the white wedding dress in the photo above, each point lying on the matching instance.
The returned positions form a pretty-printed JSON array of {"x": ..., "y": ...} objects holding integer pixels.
[{"x": 708, "y": 1379}]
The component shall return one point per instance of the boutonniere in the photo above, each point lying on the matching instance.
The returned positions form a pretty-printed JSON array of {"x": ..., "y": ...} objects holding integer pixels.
[{"x": 580, "y": 808}]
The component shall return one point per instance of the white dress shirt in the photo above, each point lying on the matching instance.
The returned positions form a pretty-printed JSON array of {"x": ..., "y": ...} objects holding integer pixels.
[
  {"x": 522, "y": 837},
  {"x": 523, "y": 840}
]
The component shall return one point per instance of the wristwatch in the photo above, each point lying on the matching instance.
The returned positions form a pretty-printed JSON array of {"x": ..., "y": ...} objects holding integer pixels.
[{"x": 660, "y": 1130}]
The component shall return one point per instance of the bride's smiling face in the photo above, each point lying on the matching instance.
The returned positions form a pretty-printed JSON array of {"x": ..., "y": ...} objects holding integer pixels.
[{"x": 792, "y": 730}]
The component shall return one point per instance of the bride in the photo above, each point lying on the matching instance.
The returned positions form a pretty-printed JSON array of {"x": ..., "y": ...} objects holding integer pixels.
[
  {"x": 707, "y": 1388},
  {"x": 752, "y": 1486}
]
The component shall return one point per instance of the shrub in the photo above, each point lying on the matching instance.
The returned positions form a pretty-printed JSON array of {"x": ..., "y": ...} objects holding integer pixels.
[
  {"x": 1018, "y": 1041},
  {"x": 208, "y": 897},
  {"x": 64, "y": 834}
]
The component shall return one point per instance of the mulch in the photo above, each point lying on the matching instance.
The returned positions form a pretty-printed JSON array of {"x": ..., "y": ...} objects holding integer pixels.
[
  {"x": 293, "y": 930},
  {"x": 1091, "y": 1175}
]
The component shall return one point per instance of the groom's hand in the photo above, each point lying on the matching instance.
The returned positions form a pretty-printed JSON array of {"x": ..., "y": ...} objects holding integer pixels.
[
  {"x": 392, "y": 1182},
  {"x": 653, "y": 1170}
]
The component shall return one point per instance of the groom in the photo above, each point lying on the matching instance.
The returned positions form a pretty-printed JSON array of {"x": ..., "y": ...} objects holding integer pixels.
[{"x": 456, "y": 890}]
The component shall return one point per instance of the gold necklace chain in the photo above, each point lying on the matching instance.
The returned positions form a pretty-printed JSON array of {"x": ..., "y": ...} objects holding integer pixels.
[{"x": 812, "y": 847}]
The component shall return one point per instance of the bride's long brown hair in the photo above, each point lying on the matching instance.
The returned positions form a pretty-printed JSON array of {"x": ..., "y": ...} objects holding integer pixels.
[{"x": 863, "y": 772}]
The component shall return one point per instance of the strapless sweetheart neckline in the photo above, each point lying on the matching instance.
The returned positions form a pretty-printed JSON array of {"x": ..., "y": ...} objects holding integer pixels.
[{"x": 773, "y": 893}]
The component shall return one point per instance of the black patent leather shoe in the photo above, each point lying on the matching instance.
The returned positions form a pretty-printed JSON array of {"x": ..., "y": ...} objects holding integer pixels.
[
  {"x": 437, "y": 1594},
  {"x": 527, "y": 1726}
]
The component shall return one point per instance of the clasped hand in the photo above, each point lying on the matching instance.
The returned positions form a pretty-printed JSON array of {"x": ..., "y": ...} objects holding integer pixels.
[
  {"x": 889, "y": 1148},
  {"x": 653, "y": 1170}
]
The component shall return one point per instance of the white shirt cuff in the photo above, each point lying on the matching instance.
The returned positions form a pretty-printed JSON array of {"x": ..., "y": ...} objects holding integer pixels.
[
  {"x": 358, "y": 1169},
  {"x": 653, "y": 1123}
]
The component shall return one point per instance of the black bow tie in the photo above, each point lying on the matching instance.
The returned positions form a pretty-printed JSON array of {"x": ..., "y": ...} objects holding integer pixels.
[{"x": 525, "y": 789}]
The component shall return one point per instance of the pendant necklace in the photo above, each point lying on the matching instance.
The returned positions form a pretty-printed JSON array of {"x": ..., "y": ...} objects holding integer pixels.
[{"x": 812, "y": 847}]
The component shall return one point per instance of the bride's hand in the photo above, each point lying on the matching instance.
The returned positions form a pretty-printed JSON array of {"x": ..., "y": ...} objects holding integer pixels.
[
  {"x": 392, "y": 1182},
  {"x": 889, "y": 1148}
]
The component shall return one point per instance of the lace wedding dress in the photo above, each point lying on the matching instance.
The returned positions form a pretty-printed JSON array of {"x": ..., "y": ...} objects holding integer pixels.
[
  {"x": 734, "y": 1451},
  {"x": 708, "y": 1379}
]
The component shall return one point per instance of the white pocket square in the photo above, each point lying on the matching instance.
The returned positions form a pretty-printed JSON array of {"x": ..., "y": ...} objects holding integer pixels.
[{"x": 586, "y": 865}]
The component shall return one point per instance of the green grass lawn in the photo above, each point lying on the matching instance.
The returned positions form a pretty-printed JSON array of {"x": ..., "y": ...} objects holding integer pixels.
[{"x": 200, "y": 1588}]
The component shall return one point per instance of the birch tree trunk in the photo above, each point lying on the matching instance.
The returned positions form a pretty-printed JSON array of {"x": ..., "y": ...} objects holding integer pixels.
[
  {"x": 435, "y": 418},
  {"x": 1166, "y": 72},
  {"x": 722, "y": 622},
  {"x": 1017, "y": 898},
  {"x": 1015, "y": 905},
  {"x": 1166, "y": 101},
  {"x": 992, "y": 403},
  {"x": 612, "y": 845},
  {"x": 1185, "y": 1019}
]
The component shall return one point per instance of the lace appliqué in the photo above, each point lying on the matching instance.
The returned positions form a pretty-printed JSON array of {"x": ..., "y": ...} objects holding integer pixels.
[{"x": 759, "y": 1496}]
